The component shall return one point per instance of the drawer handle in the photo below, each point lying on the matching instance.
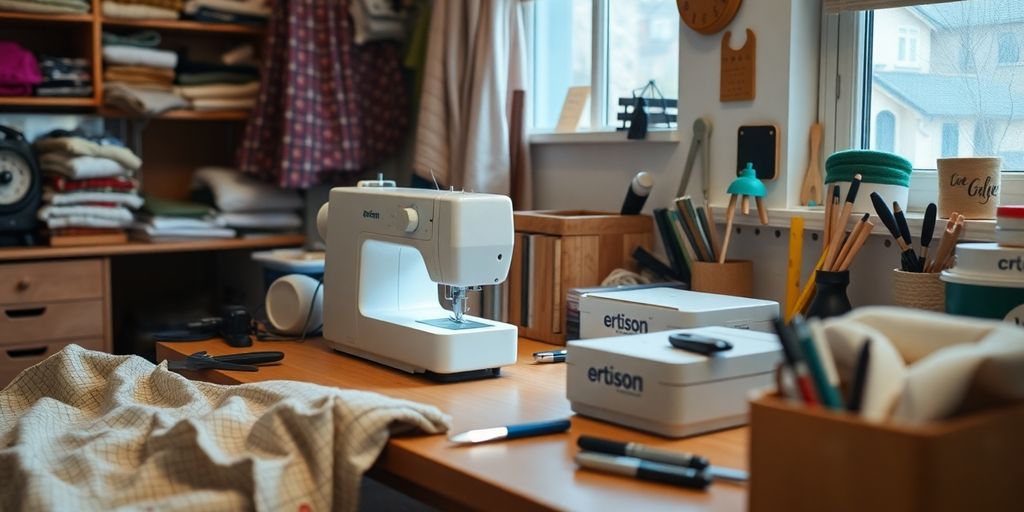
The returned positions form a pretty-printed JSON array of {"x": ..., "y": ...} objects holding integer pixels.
[
  {"x": 23, "y": 284},
  {"x": 27, "y": 352},
  {"x": 25, "y": 313}
]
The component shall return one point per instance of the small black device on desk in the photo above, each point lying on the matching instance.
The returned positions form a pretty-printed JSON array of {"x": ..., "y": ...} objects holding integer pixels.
[
  {"x": 244, "y": 362},
  {"x": 20, "y": 189},
  {"x": 698, "y": 343}
]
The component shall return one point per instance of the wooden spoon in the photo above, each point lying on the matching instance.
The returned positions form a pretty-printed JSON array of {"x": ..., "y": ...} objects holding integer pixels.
[{"x": 811, "y": 189}]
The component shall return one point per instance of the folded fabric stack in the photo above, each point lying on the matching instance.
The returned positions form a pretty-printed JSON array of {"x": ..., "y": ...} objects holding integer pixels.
[
  {"x": 46, "y": 6},
  {"x": 163, "y": 220},
  {"x": 248, "y": 205},
  {"x": 228, "y": 11},
  {"x": 89, "y": 183},
  {"x": 64, "y": 76},
  {"x": 19, "y": 71},
  {"x": 139, "y": 77},
  {"x": 214, "y": 86},
  {"x": 142, "y": 9}
]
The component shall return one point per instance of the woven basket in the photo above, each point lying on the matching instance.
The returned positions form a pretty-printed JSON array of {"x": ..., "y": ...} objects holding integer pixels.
[{"x": 918, "y": 290}]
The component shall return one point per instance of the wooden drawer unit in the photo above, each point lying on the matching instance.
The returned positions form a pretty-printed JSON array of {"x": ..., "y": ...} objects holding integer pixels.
[
  {"x": 46, "y": 304},
  {"x": 15, "y": 358},
  {"x": 51, "y": 321},
  {"x": 52, "y": 281}
]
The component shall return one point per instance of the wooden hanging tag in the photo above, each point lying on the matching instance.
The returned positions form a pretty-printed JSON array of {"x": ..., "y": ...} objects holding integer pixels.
[{"x": 738, "y": 70}]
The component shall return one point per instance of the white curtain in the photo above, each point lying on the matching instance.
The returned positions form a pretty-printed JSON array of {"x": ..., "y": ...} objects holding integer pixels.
[
  {"x": 476, "y": 59},
  {"x": 834, "y": 6}
]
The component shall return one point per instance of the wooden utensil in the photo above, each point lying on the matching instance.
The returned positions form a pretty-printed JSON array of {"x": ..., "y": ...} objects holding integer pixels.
[{"x": 811, "y": 189}]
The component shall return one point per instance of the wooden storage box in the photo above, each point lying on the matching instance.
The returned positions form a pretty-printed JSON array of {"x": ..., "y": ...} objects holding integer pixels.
[
  {"x": 559, "y": 250},
  {"x": 811, "y": 459}
]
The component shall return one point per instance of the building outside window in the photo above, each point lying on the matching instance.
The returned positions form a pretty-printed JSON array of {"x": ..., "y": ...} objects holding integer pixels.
[{"x": 1009, "y": 51}]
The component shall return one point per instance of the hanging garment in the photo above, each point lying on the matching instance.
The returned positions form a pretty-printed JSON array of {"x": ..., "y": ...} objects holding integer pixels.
[
  {"x": 475, "y": 61},
  {"x": 327, "y": 108}
]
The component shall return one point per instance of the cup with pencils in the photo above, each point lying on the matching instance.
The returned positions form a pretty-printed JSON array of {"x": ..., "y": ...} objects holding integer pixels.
[
  {"x": 916, "y": 282},
  {"x": 824, "y": 294}
]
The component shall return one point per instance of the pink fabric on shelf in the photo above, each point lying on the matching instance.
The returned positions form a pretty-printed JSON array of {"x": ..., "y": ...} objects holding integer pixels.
[{"x": 19, "y": 70}]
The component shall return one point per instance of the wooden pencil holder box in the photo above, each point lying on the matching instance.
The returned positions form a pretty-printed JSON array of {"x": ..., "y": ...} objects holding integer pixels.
[
  {"x": 804, "y": 459},
  {"x": 559, "y": 250}
]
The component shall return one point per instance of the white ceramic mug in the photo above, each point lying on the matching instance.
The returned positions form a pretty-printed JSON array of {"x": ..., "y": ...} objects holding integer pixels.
[{"x": 289, "y": 301}]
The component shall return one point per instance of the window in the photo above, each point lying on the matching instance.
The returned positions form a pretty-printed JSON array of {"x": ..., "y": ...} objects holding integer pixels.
[
  {"x": 907, "y": 46},
  {"x": 1009, "y": 52},
  {"x": 961, "y": 81},
  {"x": 885, "y": 131},
  {"x": 950, "y": 140},
  {"x": 613, "y": 46}
]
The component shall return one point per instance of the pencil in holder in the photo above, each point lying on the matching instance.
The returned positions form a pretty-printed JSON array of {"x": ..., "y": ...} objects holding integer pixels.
[
  {"x": 918, "y": 290},
  {"x": 734, "y": 277}
]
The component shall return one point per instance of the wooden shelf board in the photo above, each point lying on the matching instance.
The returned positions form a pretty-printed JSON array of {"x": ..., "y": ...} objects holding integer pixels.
[
  {"x": 46, "y": 252},
  {"x": 194, "y": 115},
  {"x": 46, "y": 18},
  {"x": 187, "y": 26},
  {"x": 44, "y": 101}
]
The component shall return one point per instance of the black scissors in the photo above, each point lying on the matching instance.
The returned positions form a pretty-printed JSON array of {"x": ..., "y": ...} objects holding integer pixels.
[{"x": 244, "y": 362}]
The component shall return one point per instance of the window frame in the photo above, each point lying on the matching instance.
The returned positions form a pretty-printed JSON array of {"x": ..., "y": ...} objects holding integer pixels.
[
  {"x": 843, "y": 78},
  {"x": 599, "y": 112}
]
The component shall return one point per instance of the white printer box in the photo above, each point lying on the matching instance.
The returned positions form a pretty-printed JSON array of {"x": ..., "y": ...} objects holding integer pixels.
[
  {"x": 643, "y": 382},
  {"x": 660, "y": 309}
]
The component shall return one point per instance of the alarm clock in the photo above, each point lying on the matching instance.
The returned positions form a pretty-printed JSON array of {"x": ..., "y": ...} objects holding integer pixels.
[
  {"x": 20, "y": 188},
  {"x": 707, "y": 16}
]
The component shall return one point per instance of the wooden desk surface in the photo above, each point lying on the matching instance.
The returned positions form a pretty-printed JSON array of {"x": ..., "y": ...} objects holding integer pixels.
[{"x": 524, "y": 474}]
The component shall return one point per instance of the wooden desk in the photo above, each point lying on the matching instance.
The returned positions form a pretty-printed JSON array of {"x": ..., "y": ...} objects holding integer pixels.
[{"x": 535, "y": 473}]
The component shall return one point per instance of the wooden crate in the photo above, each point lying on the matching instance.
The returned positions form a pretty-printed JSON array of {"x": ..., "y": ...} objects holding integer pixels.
[
  {"x": 559, "y": 250},
  {"x": 812, "y": 459}
]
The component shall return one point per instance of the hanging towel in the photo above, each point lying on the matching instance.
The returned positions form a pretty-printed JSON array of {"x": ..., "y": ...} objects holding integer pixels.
[
  {"x": 138, "y": 56},
  {"x": 325, "y": 110}
]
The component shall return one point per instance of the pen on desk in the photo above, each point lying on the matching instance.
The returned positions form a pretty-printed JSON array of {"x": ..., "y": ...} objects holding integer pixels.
[
  {"x": 550, "y": 356},
  {"x": 860, "y": 377},
  {"x": 538, "y": 428},
  {"x": 597, "y": 444},
  {"x": 636, "y": 195},
  {"x": 644, "y": 470}
]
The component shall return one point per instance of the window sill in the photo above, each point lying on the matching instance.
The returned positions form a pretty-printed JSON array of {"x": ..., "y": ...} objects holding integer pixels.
[
  {"x": 667, "y": 135},
  {"x": 814, "y": 220}
]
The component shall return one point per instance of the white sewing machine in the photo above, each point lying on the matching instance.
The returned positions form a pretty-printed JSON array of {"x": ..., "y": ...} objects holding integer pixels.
[{"x": 387, "y": 248}]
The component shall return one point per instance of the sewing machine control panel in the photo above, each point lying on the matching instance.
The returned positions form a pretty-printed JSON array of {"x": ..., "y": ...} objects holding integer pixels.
[{"x": 407, "y": 218}]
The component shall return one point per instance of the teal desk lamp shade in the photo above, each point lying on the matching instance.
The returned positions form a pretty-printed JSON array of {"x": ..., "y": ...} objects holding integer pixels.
[{"x": 747, "y": 184}]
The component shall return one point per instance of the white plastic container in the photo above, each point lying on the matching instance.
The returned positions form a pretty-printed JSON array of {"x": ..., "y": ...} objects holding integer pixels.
[
  {"x": 1010, "y": 225},
  {"x": 644, "y": 382},
  {"x": 660, "y": 309}
]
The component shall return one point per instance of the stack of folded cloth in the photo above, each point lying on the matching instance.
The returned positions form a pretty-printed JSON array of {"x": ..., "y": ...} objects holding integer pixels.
[
  {"x": 228, "y": 11},
  {"x": 19, "y": 70},
  {"x": 46, "y": 6},
  {"x": 247, "y": 205},
  {"x": 210, "y": 86},
  {"x": 163, "y": 220},
  {"x": 89, "y": 183},
  {"x": 64, "y": 76},
  {"x": 142, "y": 9},
  {"x": 139, "y": 77}
]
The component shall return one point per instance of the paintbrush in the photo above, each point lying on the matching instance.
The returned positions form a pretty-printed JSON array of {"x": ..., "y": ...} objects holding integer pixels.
[
  {"x": 839, "y": 226},
  {"x": 862, "y": 237},
  {"x": 850, "y": 241},
  {"x": 927, "y": 231},
  {"x": 885, "y": 215},
  {"x": 901, "y": 222}
]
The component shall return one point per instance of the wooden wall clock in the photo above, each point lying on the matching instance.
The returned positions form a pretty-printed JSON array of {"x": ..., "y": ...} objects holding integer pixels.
[{"x": 707, "y": 16}]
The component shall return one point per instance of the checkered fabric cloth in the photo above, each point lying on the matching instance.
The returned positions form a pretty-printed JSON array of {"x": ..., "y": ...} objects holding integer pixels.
[
  {"x": 326, "y": 108},
  {"x": 85, "y": 430}
]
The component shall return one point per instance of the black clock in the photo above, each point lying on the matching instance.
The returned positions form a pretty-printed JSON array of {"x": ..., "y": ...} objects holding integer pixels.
[{"x": 20, "y": 188}]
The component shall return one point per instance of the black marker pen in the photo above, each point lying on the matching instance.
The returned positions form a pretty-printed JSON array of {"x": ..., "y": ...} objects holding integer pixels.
[{"x": 636, "y": 195}]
